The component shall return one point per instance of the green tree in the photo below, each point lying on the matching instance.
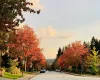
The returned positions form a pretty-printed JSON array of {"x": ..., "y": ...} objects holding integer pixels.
[
  {"x": 86, "y": 44},
  {"x": 11, "y": 13},
  {"x": 93, "y": 61},
  {"x": 95, "y": 42},
  {"x": 5, "y": 60},
  {"x": 3, "y": 42},
  {"x": 13, "y": 69},
  {"x": 59, "y": 53}
]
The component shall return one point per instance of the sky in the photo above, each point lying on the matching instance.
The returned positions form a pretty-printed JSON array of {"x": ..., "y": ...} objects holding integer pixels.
[{"x": 64, "y": 21}]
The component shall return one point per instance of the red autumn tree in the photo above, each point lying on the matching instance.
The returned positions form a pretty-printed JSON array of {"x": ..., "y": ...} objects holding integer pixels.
[
  {"x": 24, "y": 43},
  {"x": 73, "y": 55},
  {"x": 36, "y": 58}
]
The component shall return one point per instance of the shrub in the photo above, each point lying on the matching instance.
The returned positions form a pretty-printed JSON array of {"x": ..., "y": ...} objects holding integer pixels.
[
  {"x": 73, "y": 69},
  {"x": 70, "y": 68},
  {"x": 94, "y": 70},
  {"x": 14, "y": 70},
  {"x": 2, "y": 70}
]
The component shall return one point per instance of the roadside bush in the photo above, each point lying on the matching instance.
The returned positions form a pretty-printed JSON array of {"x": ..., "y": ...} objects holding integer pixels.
[
  {"x": 14, "y": 70},
  {"x": 5, "y": 69},
  {"x": 69, "y": 69},
  {"x": 73, "y": 69},
  {"x": 2, "y": 70},
  {"x": 94, "y": 70},
  {"x": 87, "y": 71}
]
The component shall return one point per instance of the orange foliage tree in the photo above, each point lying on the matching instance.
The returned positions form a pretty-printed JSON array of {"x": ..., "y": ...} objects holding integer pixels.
[
  {"x": 24, "y": 44},
  {"x": 73, "y": 55},
  {"x": 37, "y": 58}
]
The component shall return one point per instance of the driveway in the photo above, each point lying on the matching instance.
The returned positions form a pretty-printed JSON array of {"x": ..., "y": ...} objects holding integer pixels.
[{"x": 61, "y": 76}]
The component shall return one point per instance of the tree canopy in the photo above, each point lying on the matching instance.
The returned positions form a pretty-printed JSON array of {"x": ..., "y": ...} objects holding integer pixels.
[{"x": 11, "y": 13}]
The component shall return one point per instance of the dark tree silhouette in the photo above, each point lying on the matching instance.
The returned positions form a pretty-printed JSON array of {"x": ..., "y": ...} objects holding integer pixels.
[
  {"x": 11, "y": 13},
  {"x": 59, "y": 53},
  {"x": 5, "y": 60},
  {"x": 95, "y": 43}
]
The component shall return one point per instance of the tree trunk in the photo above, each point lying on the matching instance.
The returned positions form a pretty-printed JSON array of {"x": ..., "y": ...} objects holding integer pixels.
[
  {"x": 25, "y": 64},
  {"x": 76, "y": 68},
  {"x": 0, "y": 59},
  {"x": 22, "y": 72}
]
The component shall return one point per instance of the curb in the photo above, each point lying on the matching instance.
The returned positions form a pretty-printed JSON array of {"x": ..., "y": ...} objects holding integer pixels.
[
  {"x": 34, "y": 75},
  {"x": 29, "y": 77},
  {"x": 82, "y": 75}
]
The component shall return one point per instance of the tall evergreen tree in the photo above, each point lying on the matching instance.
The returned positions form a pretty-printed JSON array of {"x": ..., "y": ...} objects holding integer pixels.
[
  {"x": 59, "y": 52},
  {"x": 86, "y": 44},
  {"x": 95, "y": 43},
  {"x": 54, "y": 64},
  {"x": 93, "y": 61},
  {"x": 92, "y": 42}
]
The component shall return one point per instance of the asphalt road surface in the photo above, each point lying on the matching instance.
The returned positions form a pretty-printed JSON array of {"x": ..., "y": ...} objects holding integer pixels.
[{"x": 61, "y": 76}]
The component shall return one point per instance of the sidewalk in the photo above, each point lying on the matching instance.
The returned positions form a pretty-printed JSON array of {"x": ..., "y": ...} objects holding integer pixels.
[
  {"x": 83, "y": 75},
  {"x": 28, "y": 76}
]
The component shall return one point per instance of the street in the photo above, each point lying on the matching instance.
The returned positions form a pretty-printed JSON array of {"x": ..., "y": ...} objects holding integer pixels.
[{"x": 61, "y": 76}]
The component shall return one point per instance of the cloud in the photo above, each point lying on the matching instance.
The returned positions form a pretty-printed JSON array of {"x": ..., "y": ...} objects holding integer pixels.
[
  {"x": 47, "y": 32},
  {"x": 65, "y": 35},
  {"x": 36, "y": 4}
]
